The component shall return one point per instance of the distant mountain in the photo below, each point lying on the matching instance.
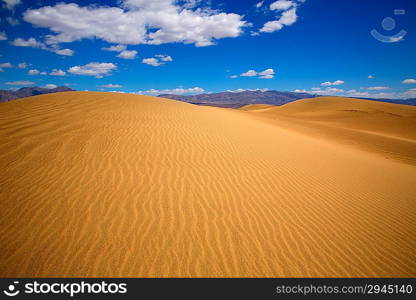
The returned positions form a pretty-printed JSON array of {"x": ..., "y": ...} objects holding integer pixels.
[
  {"x": 7, "y": 95},
  {"x": 238, "y": 99}
]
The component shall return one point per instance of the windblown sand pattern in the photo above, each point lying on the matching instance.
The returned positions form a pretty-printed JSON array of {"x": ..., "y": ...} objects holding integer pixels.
[{"x": 103, "y": 184}]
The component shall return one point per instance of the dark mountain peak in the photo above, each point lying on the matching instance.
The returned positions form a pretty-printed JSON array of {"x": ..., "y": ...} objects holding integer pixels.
[
  {"x": 241, "y": 98},
  {"x": 7, "y": 95}
]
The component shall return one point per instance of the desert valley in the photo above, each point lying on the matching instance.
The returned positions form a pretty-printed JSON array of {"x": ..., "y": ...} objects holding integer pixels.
[{"x": 101, "y": 184}]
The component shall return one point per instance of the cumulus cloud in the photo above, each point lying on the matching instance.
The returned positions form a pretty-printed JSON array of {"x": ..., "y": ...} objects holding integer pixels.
[
  {"x": 282, "y": 5},
  {"x": 115, "y": 48},
  {"x": 10, "y": 4},
  {"x": 50, "y": 86},
  {"x": 378, "y": 88},
  {"x": 288, "y": 16},
  {"x": 233, "y": 76},
  {"x": 5, "y": 65},
  {"x": 3, "y": 36},
  {"x": 93, "y": 69},
  {"x": 128, "y": 54},
  {"x": 300, "y": 91},
  {"x": 249, "y": 73},
  {"x": 163, "y": 57},
  {"x": 151, "y": 61},
  {"x": 259, "y": 4},
  {"x": 24, "y": 82},
  {"x": 33, "y": 72},
  {"x": 137, "y": 22},
  {"x": 266, "y": 74},
  {"x": 22, "y": 65},
  {"x": 336, "y": 82},
  {"x": 112, "y": 86},
  {"x": 177, "y": 91},
  {"x": 67, "y": 52},
  {"x": 355, "y": 93},
  {"x": 329, "y": 91},
  {"x": 370, "y": 77},
  {"x": 33, "y": 43},
  {"x": 158, "y": 60},
  {"x": 57, "y": 72},
  {"x": 409, "y": 81}
]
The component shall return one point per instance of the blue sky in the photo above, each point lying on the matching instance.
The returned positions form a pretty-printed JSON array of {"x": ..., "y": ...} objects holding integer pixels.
[{"x": 191, "y": 46}]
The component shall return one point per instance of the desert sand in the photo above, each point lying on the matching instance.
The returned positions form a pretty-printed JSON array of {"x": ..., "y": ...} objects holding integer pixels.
[{"x": 118, "y": 185}]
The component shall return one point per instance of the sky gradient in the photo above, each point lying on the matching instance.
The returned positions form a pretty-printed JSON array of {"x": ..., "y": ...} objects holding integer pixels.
[{"x": 190, "y": 46}]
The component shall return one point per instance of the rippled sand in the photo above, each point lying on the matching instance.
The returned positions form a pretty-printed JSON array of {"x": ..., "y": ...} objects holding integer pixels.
[{"x": 107, "y": 184}]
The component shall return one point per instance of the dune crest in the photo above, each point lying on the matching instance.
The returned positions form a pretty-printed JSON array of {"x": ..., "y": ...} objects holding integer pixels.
[
  {"x": 113, "y": 185},
  {"x": 385, "y": 129}
]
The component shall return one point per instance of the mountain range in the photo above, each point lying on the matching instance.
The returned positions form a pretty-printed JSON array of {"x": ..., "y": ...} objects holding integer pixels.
[
  {"x": 224, "y": 99},
  {"x": 238, "y": 99},
  {"x": 7, "y": 95}
]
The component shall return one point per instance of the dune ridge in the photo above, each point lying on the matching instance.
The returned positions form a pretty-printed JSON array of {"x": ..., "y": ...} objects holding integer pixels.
[
  {"x": 386, "y": 129},
  {"x": 114, "y": 185}
]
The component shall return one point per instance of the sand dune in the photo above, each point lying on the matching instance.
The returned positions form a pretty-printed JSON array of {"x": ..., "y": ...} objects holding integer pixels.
[
  {"x": 377, "y": 127},
  {"x": 103, "y": 184}
]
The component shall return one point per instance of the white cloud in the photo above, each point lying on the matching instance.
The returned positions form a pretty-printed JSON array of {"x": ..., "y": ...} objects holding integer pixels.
[
  {"x": 409, "y": 81},
  {"x": 288, "y": 18},
  {"x": 140, "y": 22},
  {"x": 22, "y": 65},
  {"x": 163, "y": 57},
  {"x": 112, "y": 86},
  {"x": 115, "y": 48},
  {"x": 377, "y": 88},
  {"x": 267, "y": 74},
  {"x": 282, "y": 5},
  {"x": 177, "y": 91},
  {"x": 151, "y": 61},
  {"x": 300, "y": 91},
  {"x": 5, "y": 65},
  {"x": 259, "y": 4},
  {"x": 337, "y": 82},
  {"x": 233, "y": 76},
  {"x": 3, "y": 36},
  {"x": 50, "y": 86},
  {"x": 370, "y": 77},
  {"x": 67, "y": 52},
  {"x": 33, "y": 72},
  {"x": 158, "y": 60},
  {"x": 56, "y": 72},
  {"x": 10, "y": 4},
  {"x": 93, "y": 69},
  {"x": 25, "y": 82},
  {"x": 33, "y": 43},
  {"x": 355, "y": 93},
  {"x": 249, "y": 73},
  {"x": 411, "y": 93},
  {"x": 329, "y": 91},
  {"x": 128, "y": 54}
]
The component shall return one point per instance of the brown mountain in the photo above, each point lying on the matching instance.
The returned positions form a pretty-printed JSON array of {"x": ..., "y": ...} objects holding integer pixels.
[{"x": 7, "y": 95}]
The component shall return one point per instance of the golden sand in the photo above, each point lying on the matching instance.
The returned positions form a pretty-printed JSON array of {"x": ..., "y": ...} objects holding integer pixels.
[{"x": 118, "y": 185}]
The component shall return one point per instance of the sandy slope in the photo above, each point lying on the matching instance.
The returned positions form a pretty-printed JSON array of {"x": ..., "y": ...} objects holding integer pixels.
[{"x": 101, "y": 184}]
